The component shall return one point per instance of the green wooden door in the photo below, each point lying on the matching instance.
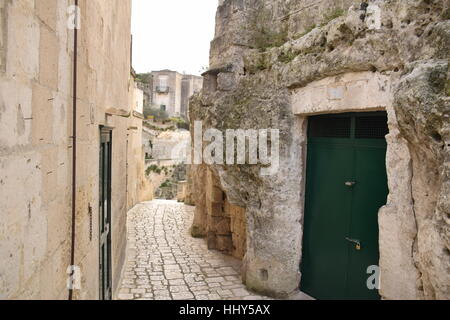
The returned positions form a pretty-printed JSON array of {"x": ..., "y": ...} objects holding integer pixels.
[{"x": 346, "y": 186}]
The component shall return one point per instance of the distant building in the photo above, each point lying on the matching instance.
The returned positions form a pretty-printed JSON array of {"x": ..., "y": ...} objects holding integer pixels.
[{"x": 170, "y": 91}]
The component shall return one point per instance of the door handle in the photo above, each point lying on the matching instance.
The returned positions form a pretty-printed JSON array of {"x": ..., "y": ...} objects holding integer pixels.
[
  {"x": 355, "y": 241},
  {"x": 350, "y": 183}
]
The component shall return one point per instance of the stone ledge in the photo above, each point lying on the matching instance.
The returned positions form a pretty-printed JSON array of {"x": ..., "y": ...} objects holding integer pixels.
[{"x": 350, "y": 92}]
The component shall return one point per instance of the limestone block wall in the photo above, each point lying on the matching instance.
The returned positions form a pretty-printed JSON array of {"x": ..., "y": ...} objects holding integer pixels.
[
  {"x": 238, "y": 229},
  {"x": 198, "y": 175},
  {"x": 189, "y": 192},
  {"x": 36, "y": 145},
  {"x": 274, "y": 63},
  {"x": 220, "y": 222},
  {"x": 181, "y": 191}
]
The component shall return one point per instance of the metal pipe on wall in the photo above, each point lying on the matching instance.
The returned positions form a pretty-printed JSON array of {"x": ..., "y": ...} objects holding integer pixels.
[{"x": 74, "y": 148}]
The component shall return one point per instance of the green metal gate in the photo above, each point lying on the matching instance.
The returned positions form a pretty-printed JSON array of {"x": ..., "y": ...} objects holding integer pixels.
[
  {"x": 346, "y": 186},
  {"x": 105, "y": 213}
]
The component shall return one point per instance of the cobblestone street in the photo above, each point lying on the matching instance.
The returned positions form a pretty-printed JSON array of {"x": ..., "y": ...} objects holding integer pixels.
[{"x": 165, "y": 263}]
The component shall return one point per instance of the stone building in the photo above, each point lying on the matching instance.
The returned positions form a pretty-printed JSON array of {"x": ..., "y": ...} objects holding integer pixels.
[
  {"x": 360, "y": 94},
  {"x": 167, "y": 91},
  {"x": 172, "y": 90},
  {"x": 36, "y": 147}
]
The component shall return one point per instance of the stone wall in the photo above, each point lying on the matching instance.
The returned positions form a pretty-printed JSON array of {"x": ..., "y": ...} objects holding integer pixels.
[
  {"x": 238, "y": 229},
  {"x": 166, "y": 167},
  {"x": 36, "y": 145},
  {"x": 170, "y": 145},
  {"x": 138, "y": 188},
  {"x": 220, "y": 222},
  {"x": 273, "y": 64}
]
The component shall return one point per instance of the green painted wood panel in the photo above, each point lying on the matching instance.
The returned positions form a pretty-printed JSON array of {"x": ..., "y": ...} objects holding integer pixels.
[{"x": 324, "y": 253}]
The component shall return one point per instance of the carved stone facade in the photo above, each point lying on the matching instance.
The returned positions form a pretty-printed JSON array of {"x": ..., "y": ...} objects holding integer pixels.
[{"x": 276, "y": 63}]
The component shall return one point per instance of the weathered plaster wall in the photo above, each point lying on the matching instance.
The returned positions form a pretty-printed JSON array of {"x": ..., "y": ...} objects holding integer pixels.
[
  {"x": 273, "y": 63},
  {"x": 36, "y": 148}
]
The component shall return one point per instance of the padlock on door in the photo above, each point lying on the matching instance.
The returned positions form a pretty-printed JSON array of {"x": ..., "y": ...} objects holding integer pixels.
[{"x": 356, "y": 242}]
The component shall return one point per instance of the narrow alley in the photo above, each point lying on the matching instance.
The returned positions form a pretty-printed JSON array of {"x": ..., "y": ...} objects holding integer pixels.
[
  {"x": 164, "y": 262},
  {"x": 224, "y": 150}
]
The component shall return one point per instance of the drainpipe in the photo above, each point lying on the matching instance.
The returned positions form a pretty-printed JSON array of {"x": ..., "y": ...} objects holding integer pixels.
[
  {"x": 126, "y": 179},
  {"x": 74, "y": 146}
]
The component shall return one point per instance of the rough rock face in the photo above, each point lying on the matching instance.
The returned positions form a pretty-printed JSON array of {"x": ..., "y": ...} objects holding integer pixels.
[
  {"x": 263, "y": 51},
  {"x": 422, "y": 103}
]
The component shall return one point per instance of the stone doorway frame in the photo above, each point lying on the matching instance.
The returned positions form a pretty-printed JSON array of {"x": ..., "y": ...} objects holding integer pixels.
[{"x": 368, "y": 92}]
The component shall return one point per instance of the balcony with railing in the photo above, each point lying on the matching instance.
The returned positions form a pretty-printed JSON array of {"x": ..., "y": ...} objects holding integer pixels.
[{"x": 162, "y": 89}]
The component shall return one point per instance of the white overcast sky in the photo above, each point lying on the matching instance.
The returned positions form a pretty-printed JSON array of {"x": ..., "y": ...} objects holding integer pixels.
[{"x": 172, "y": 34}]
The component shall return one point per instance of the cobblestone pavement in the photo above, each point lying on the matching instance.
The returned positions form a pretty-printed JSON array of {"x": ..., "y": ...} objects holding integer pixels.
[{"x": 165, "y": 263}]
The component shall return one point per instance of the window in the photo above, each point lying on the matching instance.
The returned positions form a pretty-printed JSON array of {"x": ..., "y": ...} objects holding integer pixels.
[
  {"x": 371, "y": 125},
  {"x": 330, "y": 127},
  {"x": 163, "y": 81}
]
